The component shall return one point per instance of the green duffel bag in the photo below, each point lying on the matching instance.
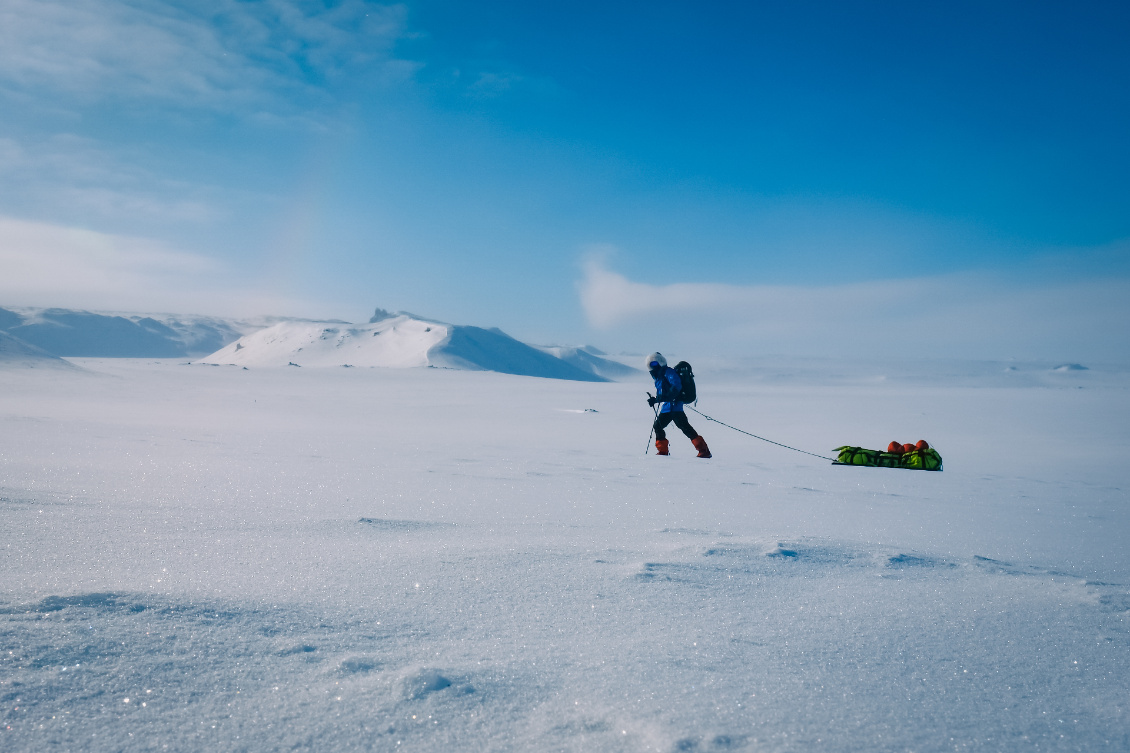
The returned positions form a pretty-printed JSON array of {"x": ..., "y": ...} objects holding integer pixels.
[
  {"x": 916, "y": 460},
  {"x": 857, "y": 456},
  {"x": 890, "y": 460},
  {"x": 922, "y": 460}
]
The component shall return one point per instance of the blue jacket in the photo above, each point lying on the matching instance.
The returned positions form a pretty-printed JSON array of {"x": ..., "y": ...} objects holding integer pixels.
[{"x": 667, "y": 387}]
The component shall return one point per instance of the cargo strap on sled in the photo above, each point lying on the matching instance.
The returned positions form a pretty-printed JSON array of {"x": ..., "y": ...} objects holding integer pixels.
[{"x": 919, "y": 460}]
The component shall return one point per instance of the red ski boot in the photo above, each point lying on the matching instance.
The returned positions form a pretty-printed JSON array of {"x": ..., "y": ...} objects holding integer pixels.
[
  {"x": 661, "y": 447},
  {"x": 700, "y": 445}
]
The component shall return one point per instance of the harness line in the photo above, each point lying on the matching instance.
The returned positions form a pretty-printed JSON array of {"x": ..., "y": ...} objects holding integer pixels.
[{"x": 763, "y": 439}]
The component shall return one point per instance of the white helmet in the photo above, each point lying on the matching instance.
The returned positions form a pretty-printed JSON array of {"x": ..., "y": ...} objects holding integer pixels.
[{"x": 656, "y": 358}]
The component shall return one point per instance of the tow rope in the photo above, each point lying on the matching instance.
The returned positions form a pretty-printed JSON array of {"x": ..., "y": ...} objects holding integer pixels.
[{"x": 763, "y": 439}]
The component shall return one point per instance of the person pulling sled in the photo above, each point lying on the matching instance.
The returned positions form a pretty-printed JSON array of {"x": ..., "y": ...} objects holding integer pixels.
[{"x": 670, "y": 393}]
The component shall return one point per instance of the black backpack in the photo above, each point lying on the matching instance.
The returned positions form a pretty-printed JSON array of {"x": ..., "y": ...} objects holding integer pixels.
[{"x": 686, "y": 376}]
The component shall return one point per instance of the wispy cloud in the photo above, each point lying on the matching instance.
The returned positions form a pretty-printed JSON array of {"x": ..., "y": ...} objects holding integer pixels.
[
  {"x": 51, "y": 265},
  {"x": 491, "y": 80},
  {"x": 967, "y": 315},
  {"x": 213, "y": 54},
  {"x": 65, "y": 64},
  {"x": 88, "y": 179}
]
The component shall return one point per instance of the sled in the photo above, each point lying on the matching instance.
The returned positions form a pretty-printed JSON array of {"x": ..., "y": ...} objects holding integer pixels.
[{"x": 915, "y": 460}]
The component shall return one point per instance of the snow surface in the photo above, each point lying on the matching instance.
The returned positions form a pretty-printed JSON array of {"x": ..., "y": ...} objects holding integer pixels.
[
  {"x": 402, "y": 341},
  {"x": 212, "y": 558}
]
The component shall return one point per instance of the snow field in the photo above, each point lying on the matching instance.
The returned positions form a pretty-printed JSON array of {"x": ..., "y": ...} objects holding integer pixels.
[{"x": 373, "y": 559}]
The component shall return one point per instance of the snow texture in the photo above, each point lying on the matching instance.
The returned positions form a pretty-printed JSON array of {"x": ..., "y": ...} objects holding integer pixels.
[{"x": 209, "y": 558}]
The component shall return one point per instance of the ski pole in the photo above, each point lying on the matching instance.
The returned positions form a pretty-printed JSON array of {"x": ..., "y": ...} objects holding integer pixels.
[{"x": 656, "y": 411}]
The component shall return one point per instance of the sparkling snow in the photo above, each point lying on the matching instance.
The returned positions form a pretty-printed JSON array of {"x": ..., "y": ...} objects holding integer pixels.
[{"x": 216, "y": 558}]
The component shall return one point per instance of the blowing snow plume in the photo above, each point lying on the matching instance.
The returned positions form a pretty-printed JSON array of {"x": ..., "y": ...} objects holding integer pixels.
[{"x": 399, "y": 342}]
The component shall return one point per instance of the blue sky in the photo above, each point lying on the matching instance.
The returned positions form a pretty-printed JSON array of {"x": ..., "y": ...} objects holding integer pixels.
[{"x": 763, "y": 177}]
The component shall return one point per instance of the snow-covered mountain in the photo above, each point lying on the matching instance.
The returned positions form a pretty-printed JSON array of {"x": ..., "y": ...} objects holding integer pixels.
[
  {"x": 400, "y": 340},
  {"x": 403, "y": 341},
  {"x": 65, "y": 332},
  {"x": 590, "y": 359},
  {"x": 15, "y": 353}
]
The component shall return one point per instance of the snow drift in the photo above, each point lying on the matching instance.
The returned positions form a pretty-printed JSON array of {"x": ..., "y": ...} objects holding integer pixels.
[{"x": 402, "y": 341}]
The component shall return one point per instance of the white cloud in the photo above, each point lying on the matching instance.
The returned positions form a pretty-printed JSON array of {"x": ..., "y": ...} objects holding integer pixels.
[
  {"x": 965, "y": 316},
  {"x": 50, "y": 265},
  {"x": 88, "y": 180},
  {"x": 272, "y": 62},
  {"x": 219, "y": 55}
]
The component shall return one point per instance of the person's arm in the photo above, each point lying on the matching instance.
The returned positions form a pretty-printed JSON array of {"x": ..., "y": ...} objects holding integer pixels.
[{"x": 672, "y": 386}]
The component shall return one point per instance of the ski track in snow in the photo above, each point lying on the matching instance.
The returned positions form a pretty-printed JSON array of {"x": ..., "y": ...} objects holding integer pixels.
[{"x": 208, "y": 559}]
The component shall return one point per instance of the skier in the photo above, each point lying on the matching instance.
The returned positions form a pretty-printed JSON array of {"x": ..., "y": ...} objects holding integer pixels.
[{"x": 668, "y": 390}]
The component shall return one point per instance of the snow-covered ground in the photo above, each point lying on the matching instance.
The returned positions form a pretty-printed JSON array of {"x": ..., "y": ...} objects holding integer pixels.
[{"x": 211, "y": 558}]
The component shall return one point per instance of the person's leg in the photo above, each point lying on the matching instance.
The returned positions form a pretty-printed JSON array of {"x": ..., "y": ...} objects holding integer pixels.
[
  {"x": 699, "y": 443},
  {"x": 661, "y": 443},
  {"x": 681, "y": 421}
]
